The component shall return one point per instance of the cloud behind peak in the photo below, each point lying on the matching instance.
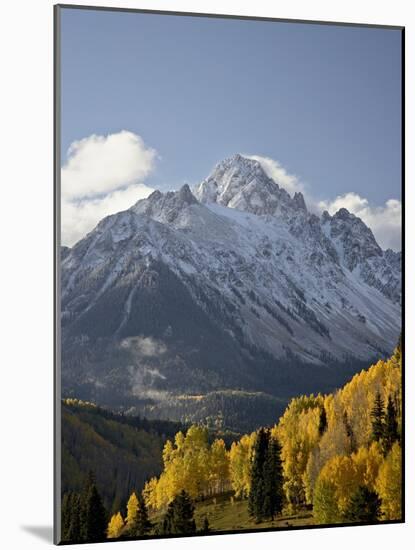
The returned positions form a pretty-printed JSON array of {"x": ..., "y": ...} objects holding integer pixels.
[{"x": 385, "y": 221}]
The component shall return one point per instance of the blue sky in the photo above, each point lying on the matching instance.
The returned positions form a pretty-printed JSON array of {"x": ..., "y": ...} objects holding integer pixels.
[{"x": 323, "y": 101}]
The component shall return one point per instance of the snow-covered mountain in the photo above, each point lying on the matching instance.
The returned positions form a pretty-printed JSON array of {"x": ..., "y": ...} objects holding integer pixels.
[{"x": 231, "y": 286}]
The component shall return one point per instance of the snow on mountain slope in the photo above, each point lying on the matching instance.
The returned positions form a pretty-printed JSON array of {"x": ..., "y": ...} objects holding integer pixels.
[{"x": 231, "y": 286}]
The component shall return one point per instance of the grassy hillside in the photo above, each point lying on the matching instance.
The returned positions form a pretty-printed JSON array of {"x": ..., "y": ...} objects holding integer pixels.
[{"x": 226, "y": 513}]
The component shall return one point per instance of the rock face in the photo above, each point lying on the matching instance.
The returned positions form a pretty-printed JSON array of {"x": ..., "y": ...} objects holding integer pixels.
[
  {"x": 241, "y": 183},
  {"x": 234, "y": 286},
  {"x": 362, "y": 255}
]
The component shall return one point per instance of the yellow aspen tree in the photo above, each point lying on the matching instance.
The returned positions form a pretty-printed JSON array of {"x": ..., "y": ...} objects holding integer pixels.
[
  {"x": 168, "y": 453},
  {"x": 240, "y": 465},
  {"x": 132, "y": 510},
  {"x": 389, "y": 484},
  {"x": 115, "y": 526},
  {"x": 164, "y": 491},
  {"x": 311, "y": 473},
  {"x": 150, "y": 493},
  {"x": 342, "y": 474},
  {"x": 298, "y": 434},
  {"x": 367, "y": 462},
  {"x": 325, "y": 503},
  {"x": 219, "y": 475}
]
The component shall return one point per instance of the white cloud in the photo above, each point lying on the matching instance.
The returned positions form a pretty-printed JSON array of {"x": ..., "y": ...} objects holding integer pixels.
[
  {"x": 102, "y": 175},
  {"x": 385, "y": 221},
  {"x": 80, "y": 217},
  {"x": 101, "y": 164},
  {"x": 278, "y": 173}
]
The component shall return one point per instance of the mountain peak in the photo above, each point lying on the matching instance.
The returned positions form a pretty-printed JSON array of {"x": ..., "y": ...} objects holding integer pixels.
[
  {"x": 237, "y": 157},
  {"x": 241, "y": 182},
  {"x": 236, "y": 166},
  {"x": 354, "y": 236},
  {"x": 165, "y": 207}
]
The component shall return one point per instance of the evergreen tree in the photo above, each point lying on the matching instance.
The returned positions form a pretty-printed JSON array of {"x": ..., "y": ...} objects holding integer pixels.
[
  {"x": 184, "y": 518},
  {"x": 390, "y": 426},
  {"x": 205, "y": 526},
  {"x": 74, "y": 529},
  {"x": 377, "y": 414},
  {"x": 364, "y": 506},
  {"x": 165, "y": 527},
  {"x": 71, "y": 517},
  {"x": 93, "y": 514},
  {"x": 322, "y": 424},
  {"x": 257, "y": 493},
  {"x": 139, "y": 525},
  {"x": 88, "y": 482},
  {"x": 273, "y": 481},
  {"x": 179, "y": 518}
]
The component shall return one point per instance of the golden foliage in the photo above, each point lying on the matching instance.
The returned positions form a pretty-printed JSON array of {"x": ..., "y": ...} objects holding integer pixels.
[
  {"x": 298, "y": 434},
  {"x": 115, "y": 526},
  {"x": 345, "y": 451},
  {"x": 132, "y": 510},
  {"x": 342, "y": 474},
  {"x": 327, "y": 451},
  {"x": 326, "y": 509},
  {"x": 190, "y": 463},
  {"x": 389, "y": 484},
  {"x": 240, "y": 465}
]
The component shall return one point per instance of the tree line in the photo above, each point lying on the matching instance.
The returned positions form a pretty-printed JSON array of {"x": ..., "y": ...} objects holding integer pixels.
[
  {"x": 84, "y": 518},
  {"x": 338, "y": 455}
]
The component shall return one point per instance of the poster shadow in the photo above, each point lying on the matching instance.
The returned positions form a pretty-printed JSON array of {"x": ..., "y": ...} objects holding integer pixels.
[{"x": 43, "y": 532}]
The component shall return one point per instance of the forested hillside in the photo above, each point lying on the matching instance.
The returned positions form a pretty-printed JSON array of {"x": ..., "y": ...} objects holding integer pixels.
[
  {"x": 335, "y": 447},
  {"x": 330, "y": 447},
  {"x": 228, "y": 410},
  {"x": 330, "y": 459},
  {"x": 121, "y": 451}
]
